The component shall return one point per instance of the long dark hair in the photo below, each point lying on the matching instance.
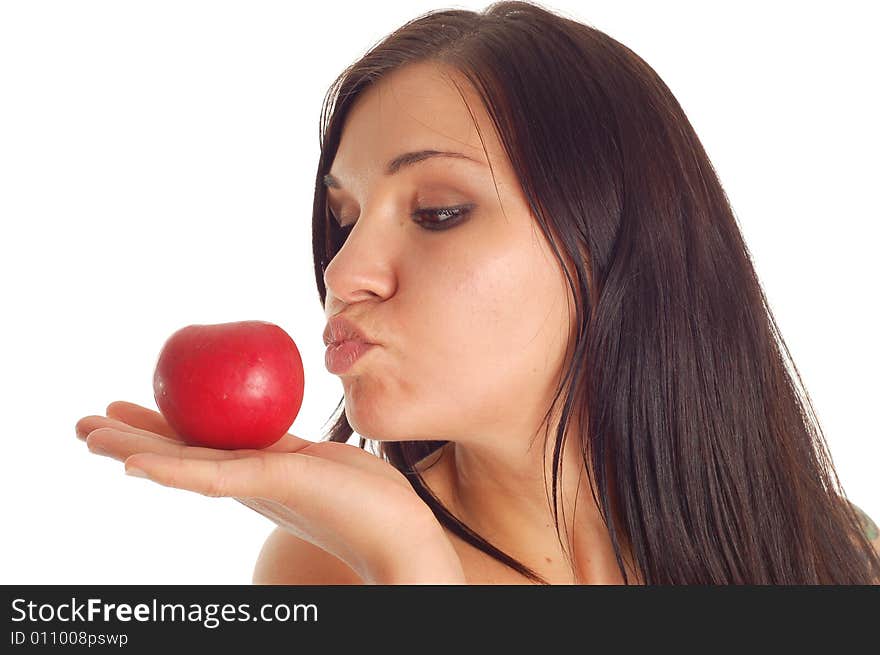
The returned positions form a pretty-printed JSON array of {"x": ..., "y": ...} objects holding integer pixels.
[{"x": 709, "y": 461}]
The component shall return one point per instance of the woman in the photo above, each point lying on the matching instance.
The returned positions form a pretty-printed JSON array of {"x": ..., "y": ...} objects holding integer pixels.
[{"x": 575, "y": 377}]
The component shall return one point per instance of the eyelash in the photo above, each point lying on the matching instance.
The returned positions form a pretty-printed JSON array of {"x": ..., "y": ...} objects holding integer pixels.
[{"x": 457, "y": 216}]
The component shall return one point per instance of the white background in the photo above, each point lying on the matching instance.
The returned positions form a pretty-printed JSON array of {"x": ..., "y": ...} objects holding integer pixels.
[{"x": 157, "y": 162}]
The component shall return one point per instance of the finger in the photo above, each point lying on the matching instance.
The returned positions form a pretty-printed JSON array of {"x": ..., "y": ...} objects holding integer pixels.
[
  {"x": 152, "y": 421},
  {"x": 121, "y": 444},
  {"x": 293, "y": 480},
  {"x": 141, "y": 417},
  {"x": 89, "y": 424},
  {"x": 242, "y": 476}
]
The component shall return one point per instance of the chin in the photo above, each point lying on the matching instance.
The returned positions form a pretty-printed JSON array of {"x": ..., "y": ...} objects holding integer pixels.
[
  {"x": 379, "y": 421},
  {"x": 379, "y": 431}
]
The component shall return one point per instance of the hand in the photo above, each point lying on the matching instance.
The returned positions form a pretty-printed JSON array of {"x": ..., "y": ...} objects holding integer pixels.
[{"x": 335, "y": 495}]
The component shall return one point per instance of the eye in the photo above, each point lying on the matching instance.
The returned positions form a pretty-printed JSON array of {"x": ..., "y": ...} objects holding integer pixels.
[
  {"x": 429, "y": 218},
  {"x": 448, "y": 216}
]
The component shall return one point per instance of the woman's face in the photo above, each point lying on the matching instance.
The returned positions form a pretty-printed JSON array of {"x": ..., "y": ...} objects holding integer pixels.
[{"x": 472, "y": 321}]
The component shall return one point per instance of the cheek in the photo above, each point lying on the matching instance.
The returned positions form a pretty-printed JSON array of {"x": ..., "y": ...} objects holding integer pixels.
[
  {"x": 493, "y": 331},
  {"x": 482, "y": 335}
]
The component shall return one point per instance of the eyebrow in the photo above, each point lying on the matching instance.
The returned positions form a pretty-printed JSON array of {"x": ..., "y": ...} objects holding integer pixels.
[{"x": 404, "y": 160}]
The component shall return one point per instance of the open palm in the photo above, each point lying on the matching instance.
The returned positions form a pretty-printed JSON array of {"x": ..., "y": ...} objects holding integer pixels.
[{"x": 334, "y": 495}]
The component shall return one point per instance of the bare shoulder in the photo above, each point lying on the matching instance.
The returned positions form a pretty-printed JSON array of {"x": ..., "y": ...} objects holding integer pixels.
[
  {"x": 288, "y": 560},
  {"x": 868, "y": 527}
]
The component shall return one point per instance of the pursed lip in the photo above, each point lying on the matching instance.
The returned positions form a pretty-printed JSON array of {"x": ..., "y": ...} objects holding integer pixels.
[{"x": 341, "y": 329}]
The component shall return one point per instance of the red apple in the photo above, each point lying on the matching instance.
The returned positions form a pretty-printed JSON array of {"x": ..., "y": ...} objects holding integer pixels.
[{"x": 229, "y": 385}]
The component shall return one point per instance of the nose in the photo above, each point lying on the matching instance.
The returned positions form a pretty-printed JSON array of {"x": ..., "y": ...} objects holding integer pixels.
[
  {"x": 350, "y": 278},
  {"x": 363, "y": 269}
]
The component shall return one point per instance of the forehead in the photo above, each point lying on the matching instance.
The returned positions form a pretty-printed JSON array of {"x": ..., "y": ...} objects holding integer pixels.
[{"x": 417, "y": 107}]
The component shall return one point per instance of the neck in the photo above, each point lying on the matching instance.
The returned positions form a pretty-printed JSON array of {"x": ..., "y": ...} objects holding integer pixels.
[{"x": 501, "y": 494}]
